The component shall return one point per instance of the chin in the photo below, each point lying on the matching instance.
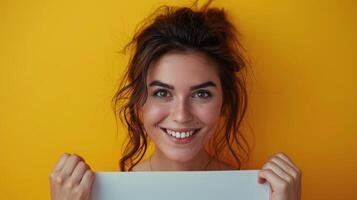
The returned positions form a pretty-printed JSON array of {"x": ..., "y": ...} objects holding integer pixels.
[{"x": 180, "y": 155}]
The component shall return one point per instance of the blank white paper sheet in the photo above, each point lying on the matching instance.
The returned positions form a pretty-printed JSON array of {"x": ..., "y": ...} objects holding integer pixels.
[{"x": 182, "y": 185}]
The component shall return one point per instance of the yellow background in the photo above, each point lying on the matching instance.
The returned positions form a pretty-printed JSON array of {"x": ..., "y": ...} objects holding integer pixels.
[{"x": 59, "y": 69}]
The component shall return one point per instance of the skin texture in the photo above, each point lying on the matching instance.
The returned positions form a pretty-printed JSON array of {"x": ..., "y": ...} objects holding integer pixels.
[
  {"x": 181, "y": 107},
  {"x": 71, "y": 178},
  {"x": 174, "y": 108},
  {"x": 283, "y": 176}
]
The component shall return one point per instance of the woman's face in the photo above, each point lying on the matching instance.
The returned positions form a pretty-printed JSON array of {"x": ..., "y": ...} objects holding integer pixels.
[{"x": 184, "y": 103}]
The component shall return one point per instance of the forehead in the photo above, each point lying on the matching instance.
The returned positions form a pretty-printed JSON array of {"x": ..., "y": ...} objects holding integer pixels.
[{"x": 183, "y": 68}]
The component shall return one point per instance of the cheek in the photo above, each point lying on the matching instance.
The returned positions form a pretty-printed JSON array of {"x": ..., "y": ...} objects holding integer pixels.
[
  {"x": 209, "y": 113},
  {"x": 153, "y": 113}
]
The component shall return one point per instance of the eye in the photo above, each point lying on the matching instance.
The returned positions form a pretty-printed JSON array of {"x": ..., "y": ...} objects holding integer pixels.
[
  {"x": 161, "y": 93},
  {"x": 202, "y": 94}
]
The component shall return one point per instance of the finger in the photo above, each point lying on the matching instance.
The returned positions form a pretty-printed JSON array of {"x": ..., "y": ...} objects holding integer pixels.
[
  {"x": 278, "y": 170},
  {"x": 59, "y": 165},
  {"x": 70, "y": 164},
  {"x": 80, "y": 157},
  {"x": 285, "y": 166},
  {"x": 78, "y": 172},
  {"x": 274, "y": 180},
  {"x": 284, "y": 157},
  {"x": 87, "y": 179}
]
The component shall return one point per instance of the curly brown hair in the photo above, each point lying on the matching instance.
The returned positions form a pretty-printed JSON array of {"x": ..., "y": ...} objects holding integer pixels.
[{"x": 206, "y": 30}]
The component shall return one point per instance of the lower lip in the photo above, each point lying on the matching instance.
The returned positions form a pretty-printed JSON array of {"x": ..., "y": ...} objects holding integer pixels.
[{"x": 181, "y": 140}]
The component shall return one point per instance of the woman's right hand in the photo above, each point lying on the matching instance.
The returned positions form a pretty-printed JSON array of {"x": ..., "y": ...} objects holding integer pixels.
[{"x": 71, "y": 179}]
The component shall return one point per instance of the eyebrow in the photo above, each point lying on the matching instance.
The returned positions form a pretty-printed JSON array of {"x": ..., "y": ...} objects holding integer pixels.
[{"x": 194, "y": 87}]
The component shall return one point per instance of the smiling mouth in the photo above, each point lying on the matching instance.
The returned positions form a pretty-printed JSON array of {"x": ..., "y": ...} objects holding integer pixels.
[{"x": 179, "y": 134}]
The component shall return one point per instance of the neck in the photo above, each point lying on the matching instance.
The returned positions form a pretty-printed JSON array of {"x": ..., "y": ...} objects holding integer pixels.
[{"x": 159, "y": 162}]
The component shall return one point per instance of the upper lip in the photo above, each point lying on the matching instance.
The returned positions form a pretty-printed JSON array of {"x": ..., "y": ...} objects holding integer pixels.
[{"x": 181, "y": 129}]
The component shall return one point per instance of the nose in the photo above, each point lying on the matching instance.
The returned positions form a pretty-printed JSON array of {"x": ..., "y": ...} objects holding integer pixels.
[{"x": 181, "y": 112}]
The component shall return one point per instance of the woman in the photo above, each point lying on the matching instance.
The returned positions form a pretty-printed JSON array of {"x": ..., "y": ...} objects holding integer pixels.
[{"x": 184, "y": 91}]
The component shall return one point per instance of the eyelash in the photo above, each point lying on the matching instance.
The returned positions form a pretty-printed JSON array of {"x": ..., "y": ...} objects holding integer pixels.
[
  {"x": 208, "y": 94},
  {"x": 158, "y": 91}
]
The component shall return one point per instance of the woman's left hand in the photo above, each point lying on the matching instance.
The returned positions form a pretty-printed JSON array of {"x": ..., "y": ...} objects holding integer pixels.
[{"x": 283, "y": 176}]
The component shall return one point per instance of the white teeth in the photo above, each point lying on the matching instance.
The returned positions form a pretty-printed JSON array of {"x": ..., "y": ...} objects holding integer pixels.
[{"x": 179, "y": 134}]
